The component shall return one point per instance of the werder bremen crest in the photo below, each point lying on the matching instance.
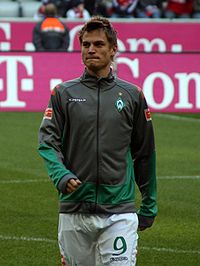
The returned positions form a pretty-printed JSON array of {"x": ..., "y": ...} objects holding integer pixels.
[{"x": 119, "y": 104}]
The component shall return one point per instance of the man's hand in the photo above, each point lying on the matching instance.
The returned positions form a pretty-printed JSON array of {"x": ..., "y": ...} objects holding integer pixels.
[
  {"x": 72, "y": 185},
  {"x": 144, "y": 222}
]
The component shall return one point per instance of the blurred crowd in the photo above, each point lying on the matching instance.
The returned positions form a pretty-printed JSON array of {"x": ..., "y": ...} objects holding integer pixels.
[
  {"x": 51, "y": 33},
  {"x": 74, "y": 9}
]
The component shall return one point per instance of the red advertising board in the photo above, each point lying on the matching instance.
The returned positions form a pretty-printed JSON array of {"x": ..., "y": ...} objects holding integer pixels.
[{"x": 171, "y": 82}]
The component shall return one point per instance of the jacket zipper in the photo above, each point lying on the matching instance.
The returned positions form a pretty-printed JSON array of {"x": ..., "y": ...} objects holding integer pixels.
[{"x": 98, "y": 107}]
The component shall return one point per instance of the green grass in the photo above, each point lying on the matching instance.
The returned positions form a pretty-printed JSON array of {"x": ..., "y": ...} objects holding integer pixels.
[{"x": 28, "y": 211}]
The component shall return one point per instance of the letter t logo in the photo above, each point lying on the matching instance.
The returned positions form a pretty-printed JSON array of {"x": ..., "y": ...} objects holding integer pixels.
[{"x": 11, "y": 80}]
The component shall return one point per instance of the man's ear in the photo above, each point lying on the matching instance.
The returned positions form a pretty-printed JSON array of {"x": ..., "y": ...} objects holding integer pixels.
[{"x": 114, "y": 48}]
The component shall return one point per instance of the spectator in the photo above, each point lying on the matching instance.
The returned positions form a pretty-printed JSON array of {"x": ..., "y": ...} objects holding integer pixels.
[
  {"x": 50, "y": 33},
  {"x": 90, "y": 6},
  {"x": 98, "y": 7},
  {"x": 123, "y": 8},
  {"x": 196, "y": 9},
  {"x": 178, "y": 9},
  {"x": 40, "y": 12},
  {"x": 148, "y": 9},
  {"x": 61, "y": 5},
  {"x": 103, "y": 8},
  {"x": 78, "y": 10}
]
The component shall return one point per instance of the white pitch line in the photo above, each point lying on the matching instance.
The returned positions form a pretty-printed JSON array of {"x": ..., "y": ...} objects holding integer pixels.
[
  {"x": 19, "y": 181},
  {"x": 179, "y": 177},
  {"x": 177, "y": 117},
  {"x": 171, "y": 250},
  {"x": 25, "y": 181},
  {"x": 22, "y": 238},
  {"x": 34, "y": 239}
]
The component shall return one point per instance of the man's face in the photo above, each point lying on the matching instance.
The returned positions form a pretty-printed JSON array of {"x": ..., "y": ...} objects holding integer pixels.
[{"x": 97, "y": 53}]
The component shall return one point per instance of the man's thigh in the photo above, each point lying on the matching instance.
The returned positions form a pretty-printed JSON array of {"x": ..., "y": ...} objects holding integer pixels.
[
  {"x": 98, "y": 240},
  {"x": 117, "y": 245},
  {"x": 77, "y": 247}
]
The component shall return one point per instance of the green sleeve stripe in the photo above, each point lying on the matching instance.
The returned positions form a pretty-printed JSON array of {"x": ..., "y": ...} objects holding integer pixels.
[
  {"x": 106, "y": 194},
  {"x": 56, "y": 169},
  {"x": 149, "y": 206}
]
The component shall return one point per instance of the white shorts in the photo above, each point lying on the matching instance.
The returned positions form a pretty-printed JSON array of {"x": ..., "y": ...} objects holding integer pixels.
[{"x": 98, "y": 240}]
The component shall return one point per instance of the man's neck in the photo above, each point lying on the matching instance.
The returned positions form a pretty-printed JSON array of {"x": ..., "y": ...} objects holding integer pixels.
[{"x": 100, "y": 74}]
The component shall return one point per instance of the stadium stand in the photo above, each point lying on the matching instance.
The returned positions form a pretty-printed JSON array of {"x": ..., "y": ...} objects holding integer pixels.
[
  {"x": 19, "y": 8},
  {"x": 29, "y": 8},
  {"x": 9, "y": 9}
]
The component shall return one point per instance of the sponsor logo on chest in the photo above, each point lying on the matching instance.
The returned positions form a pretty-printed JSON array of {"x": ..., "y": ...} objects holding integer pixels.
[{"x": 77, "y": 100}]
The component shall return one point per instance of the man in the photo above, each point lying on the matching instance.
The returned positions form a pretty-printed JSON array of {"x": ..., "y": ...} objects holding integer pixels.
[
  {"x": 177, "y": 9},
  {"x": 148, "y": 9},
  {"x": 96, "y": 127},
  {"x": 50, "y": 34},
  {"x": 123, "y": 8},
  {"x": 77, "y": 10}
]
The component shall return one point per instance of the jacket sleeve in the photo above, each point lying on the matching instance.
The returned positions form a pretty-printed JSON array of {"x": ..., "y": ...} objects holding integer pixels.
[
  {"x": 143, "y": 153},
  {"x": 50, "y": 141}
]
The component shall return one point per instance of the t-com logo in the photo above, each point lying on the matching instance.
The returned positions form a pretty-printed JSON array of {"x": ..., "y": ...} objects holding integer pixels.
[
  {"x": 134, "y": 44},
  {"x": 9, "y": 83},
  {"x": 6, "y": 39},
  {"x": 5, "y": 45},
  {"x": 180, "y": 89}
]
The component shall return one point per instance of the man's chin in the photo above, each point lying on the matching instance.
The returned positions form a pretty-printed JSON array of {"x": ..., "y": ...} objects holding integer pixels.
[{"x": 93, "y": 67}]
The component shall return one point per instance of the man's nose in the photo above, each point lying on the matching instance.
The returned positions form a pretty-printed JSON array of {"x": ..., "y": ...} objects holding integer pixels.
[{"x": 91, "y": 49}]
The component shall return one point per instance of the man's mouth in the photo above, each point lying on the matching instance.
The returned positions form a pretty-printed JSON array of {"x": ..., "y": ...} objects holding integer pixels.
[{"x": 92, "y": 58}]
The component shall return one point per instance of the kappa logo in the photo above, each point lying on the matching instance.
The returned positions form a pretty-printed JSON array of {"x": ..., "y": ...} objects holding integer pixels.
[
  {"x": 77, "y": 100},
  {"x": 119, "y": 104},
  {"x": 118, "y": 259}
]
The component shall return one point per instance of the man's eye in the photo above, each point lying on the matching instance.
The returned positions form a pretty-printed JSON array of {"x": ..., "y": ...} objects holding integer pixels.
[
  {"x": 85, "y": 44},
  {"x": 99, "y": 44}
]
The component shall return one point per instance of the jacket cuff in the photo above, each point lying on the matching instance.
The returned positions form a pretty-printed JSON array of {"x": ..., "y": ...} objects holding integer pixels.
[{"x": 63, "y": 182}]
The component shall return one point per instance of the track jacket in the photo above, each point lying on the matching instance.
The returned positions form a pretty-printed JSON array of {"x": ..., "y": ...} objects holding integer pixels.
[{"x": 99, "y": 130}]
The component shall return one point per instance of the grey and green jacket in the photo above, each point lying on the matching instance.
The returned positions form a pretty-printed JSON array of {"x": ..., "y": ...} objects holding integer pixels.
[{"x": 99, "y": 130}]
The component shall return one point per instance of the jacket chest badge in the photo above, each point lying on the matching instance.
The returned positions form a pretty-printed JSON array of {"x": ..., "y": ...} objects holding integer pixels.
[{"x": 119, "y": 104}]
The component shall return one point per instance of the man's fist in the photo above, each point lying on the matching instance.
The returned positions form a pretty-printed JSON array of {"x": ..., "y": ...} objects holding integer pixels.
[{"x": 72, "y": 185}]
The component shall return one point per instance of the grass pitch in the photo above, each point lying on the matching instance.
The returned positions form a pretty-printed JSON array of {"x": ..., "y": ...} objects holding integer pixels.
[{"x": 28, "y": 200}]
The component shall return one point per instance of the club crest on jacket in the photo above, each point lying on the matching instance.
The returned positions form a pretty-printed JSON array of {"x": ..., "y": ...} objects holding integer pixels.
[{"x": 119, "y": 104}]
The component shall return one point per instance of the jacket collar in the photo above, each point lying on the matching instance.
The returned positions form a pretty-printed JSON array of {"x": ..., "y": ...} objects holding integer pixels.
[{"x": 95, "y": 82}]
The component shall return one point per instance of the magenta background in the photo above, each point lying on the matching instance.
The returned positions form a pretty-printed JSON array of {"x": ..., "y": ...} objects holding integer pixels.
[
  {"x": 185, "y": 33},
  {"x": 66, "y": 66},
  {"x": 45, "y": 67},
  {"x": 169, "y": 64}
]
